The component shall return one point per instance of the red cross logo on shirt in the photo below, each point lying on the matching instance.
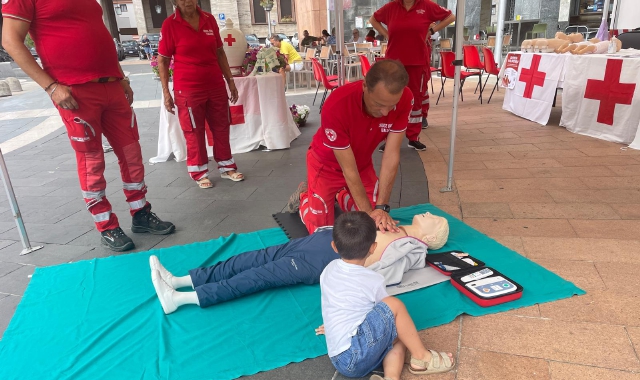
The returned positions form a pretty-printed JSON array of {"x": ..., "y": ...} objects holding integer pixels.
[
  {"x": 229, "y": 39},
  {"x": 532, "y": 77},
  {"x": 610, "y": 91}
]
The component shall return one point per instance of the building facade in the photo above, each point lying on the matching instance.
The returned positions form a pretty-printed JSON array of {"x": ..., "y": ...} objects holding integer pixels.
[{"x": 247, "y": 15}]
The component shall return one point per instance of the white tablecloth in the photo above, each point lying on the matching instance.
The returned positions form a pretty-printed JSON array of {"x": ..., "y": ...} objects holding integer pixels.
[
  {"x": 260, "y": 117},
  {"x": 574, "y": 108}
]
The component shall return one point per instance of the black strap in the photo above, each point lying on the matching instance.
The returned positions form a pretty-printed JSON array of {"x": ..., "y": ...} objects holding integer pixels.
[{"x": 103, "y": 80}]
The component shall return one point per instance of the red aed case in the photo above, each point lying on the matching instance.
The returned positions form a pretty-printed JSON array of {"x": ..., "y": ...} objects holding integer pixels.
[{"x": 461, "y": 267}]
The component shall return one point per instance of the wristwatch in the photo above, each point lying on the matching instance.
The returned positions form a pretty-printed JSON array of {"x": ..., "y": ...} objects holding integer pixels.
[
  {"x": 385, "y": 208},
  {"x": 432, "y": 31}
]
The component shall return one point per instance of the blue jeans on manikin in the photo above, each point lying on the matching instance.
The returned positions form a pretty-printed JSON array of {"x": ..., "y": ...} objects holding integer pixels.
[{"x": 300, "y": 261}]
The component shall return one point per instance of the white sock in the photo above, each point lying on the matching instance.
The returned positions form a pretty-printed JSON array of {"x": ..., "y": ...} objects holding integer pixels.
[
  {"x": 164, "y": 292},
  {"x": 171, "y": 280},
  {"x": 186, "y": 298},
  {"x": 182, "y": 282}
]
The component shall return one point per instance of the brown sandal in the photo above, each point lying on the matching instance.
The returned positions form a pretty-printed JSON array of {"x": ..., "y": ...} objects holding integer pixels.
[
  {"x": 204, "y": 183},
  {"x": 439, "y": 363}
]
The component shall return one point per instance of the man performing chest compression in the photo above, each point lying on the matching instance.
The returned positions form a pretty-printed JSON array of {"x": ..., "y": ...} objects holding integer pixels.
[{"x": 355, "y": 119}]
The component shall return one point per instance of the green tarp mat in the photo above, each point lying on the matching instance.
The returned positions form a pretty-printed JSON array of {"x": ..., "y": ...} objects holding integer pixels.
[{"x": 101, "y": 319}]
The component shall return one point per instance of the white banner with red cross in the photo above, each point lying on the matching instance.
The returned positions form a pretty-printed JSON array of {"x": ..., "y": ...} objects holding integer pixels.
[
  {"x": 601, "y": 97},
  {"x": 532, "y": 84}
]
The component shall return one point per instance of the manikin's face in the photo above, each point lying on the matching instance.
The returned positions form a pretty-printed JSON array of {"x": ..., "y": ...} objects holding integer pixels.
[
  {"x": 427, "y": 223},
  {"x": 379, "y": 101}
]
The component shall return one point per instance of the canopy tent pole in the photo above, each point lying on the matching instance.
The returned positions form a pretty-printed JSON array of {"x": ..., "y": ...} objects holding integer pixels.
[
  {"x": 456, "y": 91},
  {"x": 605, "y": 10},
  {"x": 339, "y": 7},
  {"x": 27, "y": 248},
  {"x": 502, "y": 8}
]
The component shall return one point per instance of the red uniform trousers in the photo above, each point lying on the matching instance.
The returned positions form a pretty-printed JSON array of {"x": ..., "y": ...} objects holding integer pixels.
[
  {"x": 103, "y": 109},
  {"x": 327, "y": 184},
  {"x": 194, "y": 108},
  {"x": 419, "y": 85}
]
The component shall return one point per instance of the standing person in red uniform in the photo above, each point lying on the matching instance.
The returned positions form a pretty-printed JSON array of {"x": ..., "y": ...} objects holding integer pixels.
[
  {"x": 192, "y": 38},
  {"x": 93, "y": 98},
  {"x": 355, "y": 119},
  {"x": 410, "y": 24}
]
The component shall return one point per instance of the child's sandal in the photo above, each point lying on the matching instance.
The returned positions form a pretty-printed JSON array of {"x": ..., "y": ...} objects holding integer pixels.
[{"x": 435, "y": 365}]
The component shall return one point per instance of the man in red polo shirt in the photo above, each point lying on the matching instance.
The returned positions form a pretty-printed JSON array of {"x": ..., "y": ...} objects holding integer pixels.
[
  {"x": 87, "y": 86},
  {"x": 410, "y": 24},
  {"x": 355, "y": 119}
]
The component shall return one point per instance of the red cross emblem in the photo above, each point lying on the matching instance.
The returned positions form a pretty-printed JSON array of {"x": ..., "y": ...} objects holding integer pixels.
[
  {"x": 610, "y": 91},
  {"x": 532, "y": 77},
  {"x": 229, "y": 39}
]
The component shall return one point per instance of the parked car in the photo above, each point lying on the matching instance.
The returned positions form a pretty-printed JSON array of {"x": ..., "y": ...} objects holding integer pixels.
[
  {"x": 131, "y": 48},
  {"x": 33, "y": 52},
  {"x": 119, "y": 50},
  {"x": 596, "y": 6},
  {"x": 155, "y": 40},
  {"x": 252, "y": 40}
]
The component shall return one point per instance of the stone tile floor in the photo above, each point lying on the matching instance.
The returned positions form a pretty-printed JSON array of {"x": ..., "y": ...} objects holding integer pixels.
[{"x": 568, "y": 202}]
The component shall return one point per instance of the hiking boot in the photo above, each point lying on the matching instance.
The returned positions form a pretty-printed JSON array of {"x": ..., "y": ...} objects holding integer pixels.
[
  {"x": 116, "y": 240},
  {"x": 425, "y": 123},
  {"x": 381, "y": 147},
  {"x": 294, "y": 201},
  {"x": 417, "y": 145},
  {"x": 147, "y": 221}
]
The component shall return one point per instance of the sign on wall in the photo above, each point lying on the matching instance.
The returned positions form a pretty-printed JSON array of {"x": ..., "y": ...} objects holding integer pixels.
[{"x": 221, "y": 17}]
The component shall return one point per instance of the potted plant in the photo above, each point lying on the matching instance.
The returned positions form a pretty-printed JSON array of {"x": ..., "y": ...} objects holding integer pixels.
[
  {"x": 266, "y": 4},
  {"x": 156, "y": 69},
  {"x": 251, "y": 57},
  {"x": 299, "y": 113}
]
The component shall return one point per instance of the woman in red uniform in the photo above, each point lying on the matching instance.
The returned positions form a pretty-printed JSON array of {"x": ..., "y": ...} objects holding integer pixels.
[
  {"x": 192, "y": 38},
  {"x": 410, "y": 24}
]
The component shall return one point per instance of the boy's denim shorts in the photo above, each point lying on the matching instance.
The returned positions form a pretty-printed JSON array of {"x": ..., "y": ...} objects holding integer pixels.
[{"x": 373, "y": 340}]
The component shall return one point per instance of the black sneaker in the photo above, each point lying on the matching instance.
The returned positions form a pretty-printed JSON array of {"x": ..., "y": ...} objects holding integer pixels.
[
  {"x": 116, "y": 240},
  {"x": 293, "y": 205},
  {"x": 381, "y": 147},
  {"x": 425, "y": 123},
  {"x": 146, "y": 221},
  {"x": 417, "y": 145}
]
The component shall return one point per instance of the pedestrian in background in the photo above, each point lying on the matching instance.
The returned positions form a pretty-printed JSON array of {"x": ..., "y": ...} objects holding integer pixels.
[{"x": 146, "y": 46}]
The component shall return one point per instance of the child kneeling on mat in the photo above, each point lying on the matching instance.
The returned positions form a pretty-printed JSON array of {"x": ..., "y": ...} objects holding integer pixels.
[{"x": 363, "y": 325}]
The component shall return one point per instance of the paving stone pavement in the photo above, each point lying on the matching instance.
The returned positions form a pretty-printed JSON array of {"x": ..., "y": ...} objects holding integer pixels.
[
  {"x": 43, "y": 175},
  {"x": 571, "y": 203}
]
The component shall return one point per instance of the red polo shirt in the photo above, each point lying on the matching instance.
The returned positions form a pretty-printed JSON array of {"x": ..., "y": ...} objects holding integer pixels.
[
  {"x": 408, "y": 29},
  {"x": 345, "y": 124},
  {"x": 71, "y": 39},
  {"x": 194, "y": 52}
]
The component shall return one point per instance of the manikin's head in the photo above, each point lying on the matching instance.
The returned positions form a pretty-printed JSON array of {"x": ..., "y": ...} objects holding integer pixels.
[
  {"x": 433, "y": 230},
  {"x": 383, "y": 87},
  {"x": 576, "y": 37},
  {"x": 354, "y": 235}
]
